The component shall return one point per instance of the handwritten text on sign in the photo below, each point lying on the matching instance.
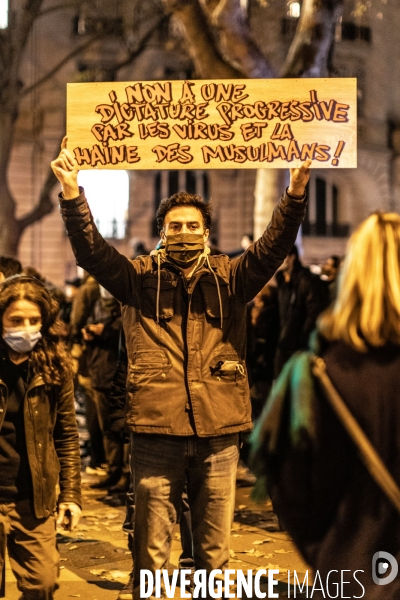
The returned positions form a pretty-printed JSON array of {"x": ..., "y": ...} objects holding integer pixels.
[{"x": 213, "y": 124}]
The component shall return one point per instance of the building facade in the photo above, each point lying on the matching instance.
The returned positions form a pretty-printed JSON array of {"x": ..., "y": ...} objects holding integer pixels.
[{"x": 366, "y": 48}]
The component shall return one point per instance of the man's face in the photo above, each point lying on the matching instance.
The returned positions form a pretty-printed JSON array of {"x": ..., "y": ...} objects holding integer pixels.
[
  {"x": 184, "y": 219},
  {"x": 329, "y": 269}
]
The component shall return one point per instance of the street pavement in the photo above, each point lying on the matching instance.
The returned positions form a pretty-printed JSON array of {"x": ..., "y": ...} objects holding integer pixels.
[{"x": 96, "y": 562}]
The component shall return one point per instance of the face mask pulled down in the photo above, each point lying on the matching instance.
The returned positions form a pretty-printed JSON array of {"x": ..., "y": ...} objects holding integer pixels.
[
  {"x": 21, "y": 340},
  {"x": 184, "y": 248}
]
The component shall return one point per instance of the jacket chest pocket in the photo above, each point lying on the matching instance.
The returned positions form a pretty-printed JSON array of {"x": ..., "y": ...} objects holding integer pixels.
[
  {"x": 213, "y": 301},
  {"x": 150, "y": 298},
  {"x": 149, "y": 366}
]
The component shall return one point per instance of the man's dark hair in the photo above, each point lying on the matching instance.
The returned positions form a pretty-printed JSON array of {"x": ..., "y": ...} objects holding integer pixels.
[
  {"x": 336, "y": 260},
  {"x": 184, "y": 199},
  {"x": 9, "y": 266}
]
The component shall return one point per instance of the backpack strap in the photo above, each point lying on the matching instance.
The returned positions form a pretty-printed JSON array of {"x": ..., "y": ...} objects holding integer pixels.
[{"x": 368, "y": 454}]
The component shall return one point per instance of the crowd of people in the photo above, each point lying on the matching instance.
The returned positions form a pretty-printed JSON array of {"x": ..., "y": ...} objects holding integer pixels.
[{"x": 156, "y": 346}]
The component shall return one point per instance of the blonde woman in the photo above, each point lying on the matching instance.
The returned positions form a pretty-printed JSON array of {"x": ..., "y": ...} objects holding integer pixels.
[{"x": 337, "y": 514}]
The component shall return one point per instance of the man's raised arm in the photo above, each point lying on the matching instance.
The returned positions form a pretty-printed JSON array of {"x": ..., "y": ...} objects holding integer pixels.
[
  {"x": 253, "y": 269},
  {"x": 110, "y": 268}
]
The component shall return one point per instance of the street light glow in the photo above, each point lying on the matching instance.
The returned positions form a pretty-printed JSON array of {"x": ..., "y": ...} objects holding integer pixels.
[
  {"x": 294, "y": 9},
  {"x": 108, "y": 196}
]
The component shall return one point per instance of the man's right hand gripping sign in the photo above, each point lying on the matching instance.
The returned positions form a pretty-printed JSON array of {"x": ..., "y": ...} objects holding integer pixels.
[{"x": 184, "y": 315}]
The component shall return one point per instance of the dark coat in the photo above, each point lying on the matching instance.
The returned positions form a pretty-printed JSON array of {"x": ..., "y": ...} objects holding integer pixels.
[
  {"x": 325, "y": 497},
  {"x": 300, "y": 302},
  {"x": 52, "y": 442},
  {"x": 185, "y": 339},
  {"x": 102, "y": 351}
]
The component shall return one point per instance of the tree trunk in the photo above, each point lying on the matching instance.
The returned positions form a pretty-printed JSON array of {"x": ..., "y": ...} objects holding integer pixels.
[
  {"x": 200, "y": 41},
  {"x": 310, "y": 50},
  {"x": 270, "y": 183},
  {"x": 9, "y": 228}
]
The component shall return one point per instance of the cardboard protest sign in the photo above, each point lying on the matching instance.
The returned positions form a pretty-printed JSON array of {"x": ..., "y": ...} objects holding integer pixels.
[{"x": 221, "y": 124}]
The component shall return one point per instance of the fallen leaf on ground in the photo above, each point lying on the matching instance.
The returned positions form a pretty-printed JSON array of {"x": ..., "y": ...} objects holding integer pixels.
[
  {"x": 119, "y": 574},
  {"x": 74, "y": 547},
  {"x": 115, "y": 528},
  {"x": 282, "y": 551},
  {"x": 253, "y": 552},
  {"x": 97, "y": 572}
]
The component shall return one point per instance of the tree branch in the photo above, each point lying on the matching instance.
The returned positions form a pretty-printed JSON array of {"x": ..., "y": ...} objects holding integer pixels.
[
  {"x": 308, "y": 55},
  {"x": 64, "y": 61},
  {"x": 44, "y": 207},
  {"x": 236, "y": 41},
  {"x": 132, "y": 54},
  {"x": 200, "y": 41},
  {"x": 63, "y": 6}
]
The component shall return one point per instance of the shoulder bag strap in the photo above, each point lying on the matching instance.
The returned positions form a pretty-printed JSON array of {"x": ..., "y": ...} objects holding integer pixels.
[{"x": 368, "y": 453}]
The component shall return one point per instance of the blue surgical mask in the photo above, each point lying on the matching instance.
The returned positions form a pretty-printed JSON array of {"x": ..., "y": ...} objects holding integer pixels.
[{"x": 21, "y": 340}]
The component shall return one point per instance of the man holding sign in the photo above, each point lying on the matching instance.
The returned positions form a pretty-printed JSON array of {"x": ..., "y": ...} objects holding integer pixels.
[{"x": 184, "y": 318}]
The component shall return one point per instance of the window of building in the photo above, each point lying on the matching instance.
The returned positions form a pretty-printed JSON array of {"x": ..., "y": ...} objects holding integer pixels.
[
  {"x": 83, "y": 24},
  {"x": 322, "y": 217},
  {"x": 108, "y": 195},
  {"x": 350, "y": 31},
  {"x": 294, "y": 9},
  {"x": 167, "y": 183},
  {"x": 3, "y": 14}
]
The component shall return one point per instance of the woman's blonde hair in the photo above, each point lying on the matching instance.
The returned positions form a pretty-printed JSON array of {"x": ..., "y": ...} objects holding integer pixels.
[{"x": 367, "y": 308}]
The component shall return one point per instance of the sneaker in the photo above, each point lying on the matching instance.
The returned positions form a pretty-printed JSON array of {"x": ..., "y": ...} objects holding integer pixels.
[{"x": 127, "y": 591}]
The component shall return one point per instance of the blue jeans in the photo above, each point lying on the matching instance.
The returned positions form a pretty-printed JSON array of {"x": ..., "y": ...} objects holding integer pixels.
[{"x": 163, "y": 465}]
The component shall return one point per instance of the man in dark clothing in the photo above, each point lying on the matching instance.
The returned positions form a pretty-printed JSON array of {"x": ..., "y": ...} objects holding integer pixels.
[
  {"x": 301, "y": 298},
  {"x": 329, "y": 275},
  {"x": 184, "y": 318},
  {"x": 101, "y": 334},
  {"x": 262, "y": 338}
]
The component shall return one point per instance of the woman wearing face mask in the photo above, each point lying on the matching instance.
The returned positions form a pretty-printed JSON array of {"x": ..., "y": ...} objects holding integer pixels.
[{"x": 39, "y": 444}]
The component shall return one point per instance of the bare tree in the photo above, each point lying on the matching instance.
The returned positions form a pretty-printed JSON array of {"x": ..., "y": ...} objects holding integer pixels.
[
  {"x": 221, "y": 46},
  {"x": 13, "y": 47}
]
